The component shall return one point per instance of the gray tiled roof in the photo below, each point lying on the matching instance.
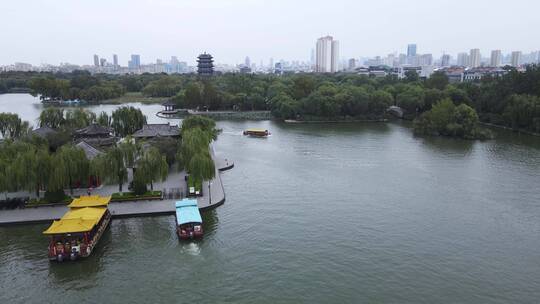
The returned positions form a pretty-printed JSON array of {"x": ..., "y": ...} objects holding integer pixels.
[
  {"x": 157, "y": 130},
  {"x": 43, "y": 131},
  {"x": 93, "y": 130},
  {"x": 89, "y": 150}
]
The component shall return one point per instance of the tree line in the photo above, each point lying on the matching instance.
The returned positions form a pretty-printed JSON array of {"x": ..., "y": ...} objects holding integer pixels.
[
  {"x": 123, "y": 121},
  {"x": 511, "y": 100}
]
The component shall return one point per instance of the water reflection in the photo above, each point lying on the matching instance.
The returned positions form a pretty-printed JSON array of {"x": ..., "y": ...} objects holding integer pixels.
[
  {"x": 210, "y": 222},
  {"x": 331, "y": 129},
  {"x": 454, "y": 146}
]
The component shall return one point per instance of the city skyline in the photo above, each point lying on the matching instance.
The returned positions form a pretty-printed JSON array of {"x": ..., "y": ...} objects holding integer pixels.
[{"x": 159, "y": 29}]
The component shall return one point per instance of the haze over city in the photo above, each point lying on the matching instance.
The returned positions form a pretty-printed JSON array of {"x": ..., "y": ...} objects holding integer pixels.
[{"x": 52, "y": 32}]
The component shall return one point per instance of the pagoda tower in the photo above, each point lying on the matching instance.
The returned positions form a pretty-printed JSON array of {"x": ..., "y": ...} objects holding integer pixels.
[{"x": 205, "y": 65}]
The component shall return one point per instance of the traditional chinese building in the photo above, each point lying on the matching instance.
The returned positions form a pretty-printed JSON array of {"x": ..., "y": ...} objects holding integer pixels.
[
  {"x": 205, "y": 65},
  {"x": 96, "y": 135},
  {"x": 150, "y": 131}
]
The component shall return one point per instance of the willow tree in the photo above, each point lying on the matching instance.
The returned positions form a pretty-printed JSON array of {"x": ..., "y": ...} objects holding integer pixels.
[
  {"x": 103, "y": 119},
  {"x": 79, "y": 118},
  {"x": 23, "y": 170},
  {"x": 70, "y": 165},
  {"x": 113, "y": 165},
  {"x": 127, "y": 120},
  {"x": 152, "y": 167},
  {"x": 12, "y": 127},
  {"x": 52, "y": 118},
  {"x": 43, "y": 168},
  {"x": 207, "y": 125},
  {"x": 201, "y": 167},
  {"x": 194, "y": 141}
]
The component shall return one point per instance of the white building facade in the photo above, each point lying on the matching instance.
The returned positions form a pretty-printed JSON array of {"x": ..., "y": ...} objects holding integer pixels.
[{"x": 327, "y": 55}]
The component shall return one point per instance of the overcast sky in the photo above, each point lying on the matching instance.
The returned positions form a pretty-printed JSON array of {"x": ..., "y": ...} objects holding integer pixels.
[{"x": 54, "y": 31}]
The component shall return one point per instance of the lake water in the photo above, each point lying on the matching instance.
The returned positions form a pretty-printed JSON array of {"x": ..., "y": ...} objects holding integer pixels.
[{"x": 333, "y": 213}]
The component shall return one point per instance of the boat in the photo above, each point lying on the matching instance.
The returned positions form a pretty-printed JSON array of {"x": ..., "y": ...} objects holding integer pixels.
[
  {"x": 257, "y": 132},
  {"x": 188, "y": 219},
  {"x": 79, "y": 230}
]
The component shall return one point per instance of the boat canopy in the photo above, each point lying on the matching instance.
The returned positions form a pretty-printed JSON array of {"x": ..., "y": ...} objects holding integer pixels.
[
  {"x": 187, "y": 211},
  {"x": 256, "y": 130},
  {"x": 77, "y": 220},
  {"x": 90, "y": 201}
]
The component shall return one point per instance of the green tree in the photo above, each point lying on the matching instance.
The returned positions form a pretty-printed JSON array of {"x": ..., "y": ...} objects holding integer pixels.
[
  {"x": 12, "y": 127},
  {"x": 201, "y": 166},
  {"x": 437, "y": 80},
  {"x": 52, "y": 118},
  {"x": 153, "y": 166},
  {"x": 78, "y": 118},
  {"x": 411, "y": 76},
  {"x": 126, "y": 120},
  {"x": 70, "y": 165},
  {"x": 193, "y": 95},
  {"x": 104, "y": 119}
]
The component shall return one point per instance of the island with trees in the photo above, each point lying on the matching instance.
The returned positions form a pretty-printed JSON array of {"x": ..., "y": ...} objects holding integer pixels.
[{"x": 53, "y": 160}]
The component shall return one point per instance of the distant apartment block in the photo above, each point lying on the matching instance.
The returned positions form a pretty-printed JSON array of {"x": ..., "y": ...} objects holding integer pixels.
[
  {"x": 327, "y": 55},
  {"x": 475, "y": 58},
  {"x": 496, "y": 58},
  {"x": 516, "y": 59}
]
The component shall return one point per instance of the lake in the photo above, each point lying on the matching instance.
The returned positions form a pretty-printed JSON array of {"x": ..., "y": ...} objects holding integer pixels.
[{"x": 329, "y": 213}]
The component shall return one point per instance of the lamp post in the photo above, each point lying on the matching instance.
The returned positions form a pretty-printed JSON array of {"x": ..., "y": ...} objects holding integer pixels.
[{"x": 209, "y": 193}]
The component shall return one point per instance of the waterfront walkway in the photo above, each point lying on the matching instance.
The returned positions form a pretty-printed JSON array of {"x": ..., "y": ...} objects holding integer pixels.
[{"x": 131, "y": 208}]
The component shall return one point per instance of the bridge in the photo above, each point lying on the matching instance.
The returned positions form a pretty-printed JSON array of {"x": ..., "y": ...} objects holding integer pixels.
[{"x": 396, "y": 111}]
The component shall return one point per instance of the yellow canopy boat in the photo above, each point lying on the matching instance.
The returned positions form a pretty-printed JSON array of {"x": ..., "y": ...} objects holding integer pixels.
[{"x": 79, "y": 230}]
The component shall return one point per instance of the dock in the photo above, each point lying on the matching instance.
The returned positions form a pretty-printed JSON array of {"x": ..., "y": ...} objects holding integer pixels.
[{"x": 47, "y": 214}]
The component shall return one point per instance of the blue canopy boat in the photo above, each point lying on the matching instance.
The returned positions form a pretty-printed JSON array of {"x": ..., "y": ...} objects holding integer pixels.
[{"x": 188, "y": 219}]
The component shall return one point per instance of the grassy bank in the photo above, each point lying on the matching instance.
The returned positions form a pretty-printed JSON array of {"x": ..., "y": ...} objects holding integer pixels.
[{"x": 135, "y": 97}]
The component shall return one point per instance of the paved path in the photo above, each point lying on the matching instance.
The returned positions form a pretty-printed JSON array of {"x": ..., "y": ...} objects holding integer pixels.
[{"x": 128, "y": 209}]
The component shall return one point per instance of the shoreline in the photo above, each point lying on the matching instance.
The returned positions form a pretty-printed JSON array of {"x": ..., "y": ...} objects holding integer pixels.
[
  {"x": 125, "y": 209},
  {"x": 487, "y": 124},
  {"x": 294, "y": 121}
]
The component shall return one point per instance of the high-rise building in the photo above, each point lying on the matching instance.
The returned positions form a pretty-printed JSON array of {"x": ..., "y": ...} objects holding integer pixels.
[
  {"x": 474, "y": 58},
  {"x": 352, "y": 64},
  {"x": 496, "y": 58},
  {"x": 411, "y": 50},
  {"x": 96, "y": 60},
  {"x": 426, "y": 60},
  {"x": 335, "y": 56},
  {"x": 516, "y": 58},
  {"x": 205, "y": 65},
  {"x": 102, "y": 62},
  {"x": 247, "y": 62},
  {"x": 115, "y": 60},
  {"x": 271, "y": 63},
  {"x": 135, "y": 62},
  {"x": 463, "y": 59},
  {"x": 327, "y": 55},
  {"x": 445, "y": 60}
]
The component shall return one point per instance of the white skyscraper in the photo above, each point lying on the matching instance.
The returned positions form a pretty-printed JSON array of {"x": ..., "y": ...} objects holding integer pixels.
[
  {"x": 327, "y": 55},
  {"x": 463, "y": 59},
  {"x": 516, "y": 58},
  {"x": 335, "y": 56},
  {"x": 474, "y": 58},
  {"x": 496, "y": 58}
]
